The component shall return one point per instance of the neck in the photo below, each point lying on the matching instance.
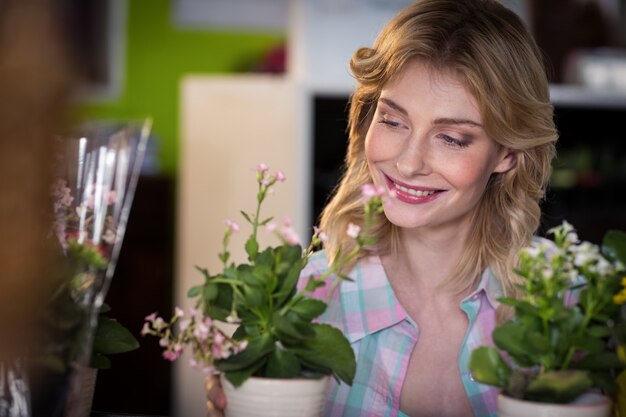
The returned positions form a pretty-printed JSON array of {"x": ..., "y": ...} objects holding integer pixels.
[{"x": 426, "y": 258}]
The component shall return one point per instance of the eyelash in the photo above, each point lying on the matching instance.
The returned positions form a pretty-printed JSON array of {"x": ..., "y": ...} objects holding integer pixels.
[
  {"x": 447, "y": 139},
  {"x": 450, "y": 141}
]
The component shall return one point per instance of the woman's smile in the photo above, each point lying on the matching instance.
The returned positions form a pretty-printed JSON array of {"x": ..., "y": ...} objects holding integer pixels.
[{"x": 411, "y": 194}]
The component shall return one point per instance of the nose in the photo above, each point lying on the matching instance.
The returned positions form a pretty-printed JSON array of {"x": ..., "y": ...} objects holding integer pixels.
[{"x": 413, "y": 158}]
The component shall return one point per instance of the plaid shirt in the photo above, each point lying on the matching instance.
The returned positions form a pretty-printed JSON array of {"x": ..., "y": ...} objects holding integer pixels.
[{"x": 383, "y": 337}]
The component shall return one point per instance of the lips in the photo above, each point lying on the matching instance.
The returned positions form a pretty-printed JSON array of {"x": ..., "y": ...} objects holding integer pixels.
[{"x": 411, "y": 194}]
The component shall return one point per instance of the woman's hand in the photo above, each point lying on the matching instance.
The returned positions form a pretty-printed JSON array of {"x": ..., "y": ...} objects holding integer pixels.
[{"x": 216, "y": 399}]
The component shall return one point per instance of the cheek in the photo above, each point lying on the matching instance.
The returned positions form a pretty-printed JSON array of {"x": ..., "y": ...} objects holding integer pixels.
[
  {"x": 377, "y": 148},
  {"x": 469, "y": 173}
]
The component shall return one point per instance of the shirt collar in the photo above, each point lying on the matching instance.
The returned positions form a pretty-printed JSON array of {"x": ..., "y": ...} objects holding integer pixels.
[
  {"x": 369, "y": 303},
  {"x": 490, "y": 286}
]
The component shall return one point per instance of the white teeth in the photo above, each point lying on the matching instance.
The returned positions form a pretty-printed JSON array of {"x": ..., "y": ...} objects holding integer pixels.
[{"x": 411, "y": 191}]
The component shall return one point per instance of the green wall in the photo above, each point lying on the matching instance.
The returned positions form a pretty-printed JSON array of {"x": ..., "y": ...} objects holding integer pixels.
[{"x": 158, "y": 55}]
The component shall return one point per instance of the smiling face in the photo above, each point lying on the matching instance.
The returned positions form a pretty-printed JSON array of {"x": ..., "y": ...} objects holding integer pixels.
[{"x": 427, "y": 146}]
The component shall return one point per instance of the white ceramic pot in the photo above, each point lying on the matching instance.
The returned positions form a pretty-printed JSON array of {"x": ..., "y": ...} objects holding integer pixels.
[
  {"x": 587, "y": 405},
  {"x": 270, "y": 397}
]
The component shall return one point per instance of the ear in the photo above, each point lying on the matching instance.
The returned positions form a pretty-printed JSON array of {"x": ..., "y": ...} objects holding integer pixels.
[{"x": 508, "y": 159}]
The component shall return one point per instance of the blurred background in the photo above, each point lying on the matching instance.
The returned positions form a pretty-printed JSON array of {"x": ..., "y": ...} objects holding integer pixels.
[{"x": 230, "y": 83}]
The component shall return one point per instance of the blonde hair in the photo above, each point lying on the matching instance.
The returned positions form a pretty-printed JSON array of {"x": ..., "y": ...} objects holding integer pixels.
[{"x": 491, "y": 51}]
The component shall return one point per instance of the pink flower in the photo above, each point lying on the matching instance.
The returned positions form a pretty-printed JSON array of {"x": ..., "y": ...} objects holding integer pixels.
[
  {"x": 271, "y": 227},
  {"x": 201, "y": 331},
  {"x": 145, "y": 329},
  {"x": 280, "y": 176},
  {"x": 319, "y": 234},
  {"x": 184, "y": 324},
  {"x": 262, "y": 168},
  {"x": 171, "y": 356},
  {"x": 353, "y": 230},
  {"x": 151, "y": 317},
  {"x": 111, "y": 197},
  {"x": 234, "y": 227},
  {"x": 290, "y": 235}
]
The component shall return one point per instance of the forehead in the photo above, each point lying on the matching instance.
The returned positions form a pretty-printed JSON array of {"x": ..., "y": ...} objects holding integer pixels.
[{"x": 421, "y": 85}]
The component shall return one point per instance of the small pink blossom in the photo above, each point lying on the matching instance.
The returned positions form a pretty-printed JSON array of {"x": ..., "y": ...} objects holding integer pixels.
[
  {"x": 163, "y": 342},
  {"x": 290, "y": 235},
  {"x": 319, "y": 234},
  {"x": 271, "y": 227},
  {"x": 371, "y": 190},
  {"x": 145, "y": 329},
  {"x": 201, "y": 332},
  {"x": 151, "y": 317},
  {"x": 184, "y": 324},
  {"x": 280, "y": 176},
  {"x": 353, "y": 230},
  {"x": 171, "y": 356},
  {"x": 265, "y": 182},
  {"x": 262, "y": 168},
  {"x": 234, "y": 227},
  {"x": 111, "y": 197}
]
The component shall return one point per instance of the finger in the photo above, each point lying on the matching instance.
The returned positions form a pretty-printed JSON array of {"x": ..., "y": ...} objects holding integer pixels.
[
  {"x": 215, "y": 392},
  {"x": 211, "y": 411}
]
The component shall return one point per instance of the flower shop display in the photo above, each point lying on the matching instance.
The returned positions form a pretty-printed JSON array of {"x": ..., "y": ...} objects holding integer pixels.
[
  {"x": 564, "y": 347},
  {"x": 95, "y": 175},
  {"x": 276, "y": 335}
]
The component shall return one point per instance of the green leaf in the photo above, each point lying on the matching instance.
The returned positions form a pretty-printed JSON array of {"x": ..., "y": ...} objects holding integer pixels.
[
  {"x": 291, "y": 331},
  {"x": 614, "y": 245},
  {"x": 257, "y": 348},
  {"x": 239, "y": 377},
  {"x": 599, "y": 361},
  {"x": 252, "y": 247},
  {"x": 488, "y": 367},
  {"x": 309, "y": 308},
  {"x": 253, "y": 297},
  {"x": 246, "y": 216},
  {"x": 511, "y": 337},
  {"x": 209, "y": 292},
  {"x": 559, "y": 386},
  {"x": 99, "y": 361},
  {"x": 282, "y": 364},
  {"x": 194, "y": 291},
  {"x": 111, "y": 337},
  {"x": 329, "y": 349}
]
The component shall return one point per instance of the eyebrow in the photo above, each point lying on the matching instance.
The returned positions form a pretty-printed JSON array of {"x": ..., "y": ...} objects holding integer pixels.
[{"x": 440, "y": 121}]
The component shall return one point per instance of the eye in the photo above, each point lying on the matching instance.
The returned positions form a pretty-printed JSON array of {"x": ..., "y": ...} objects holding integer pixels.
[
  {"x": 452, "y": 141},
  {"x": 386, "y": 120}
]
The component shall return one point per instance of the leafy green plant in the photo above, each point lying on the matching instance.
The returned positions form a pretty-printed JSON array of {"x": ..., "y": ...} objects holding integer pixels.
[
  {"x": 568, "y": 323},
  {"x": 276, "y": 336},
  {"x": 110, "y": 337}
]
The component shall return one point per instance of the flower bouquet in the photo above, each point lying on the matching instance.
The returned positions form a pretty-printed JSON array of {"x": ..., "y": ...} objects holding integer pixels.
[
  {"x": 96, "y": 172},
  {"x": 568, "y": 330},
  {"x": 266, "y": 298}
]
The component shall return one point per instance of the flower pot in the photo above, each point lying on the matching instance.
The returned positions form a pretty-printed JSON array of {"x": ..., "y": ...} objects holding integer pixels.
[
  {"x": 587, "y": 405},
  {"x": 272, "y": 397}
]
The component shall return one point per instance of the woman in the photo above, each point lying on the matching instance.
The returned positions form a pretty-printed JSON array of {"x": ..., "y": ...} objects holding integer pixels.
[{"x": 451, "y": 115}]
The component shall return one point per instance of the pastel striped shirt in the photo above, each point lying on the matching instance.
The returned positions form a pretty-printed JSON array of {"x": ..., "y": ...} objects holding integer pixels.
[{"x": 383, "y": 336}]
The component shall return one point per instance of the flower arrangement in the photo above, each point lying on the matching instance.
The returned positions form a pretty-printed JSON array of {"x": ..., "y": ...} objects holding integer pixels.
[
  {"x": 86, "y": 232},
  {"x": 276, "y": 335},
  {"x": 568, "y": 331}
]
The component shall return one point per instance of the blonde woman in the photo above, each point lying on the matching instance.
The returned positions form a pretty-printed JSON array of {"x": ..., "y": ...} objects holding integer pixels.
[{"x": 451, "y": 116}]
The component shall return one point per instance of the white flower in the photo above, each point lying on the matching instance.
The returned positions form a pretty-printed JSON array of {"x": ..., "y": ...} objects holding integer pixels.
[{"x": 353, "y": 230}]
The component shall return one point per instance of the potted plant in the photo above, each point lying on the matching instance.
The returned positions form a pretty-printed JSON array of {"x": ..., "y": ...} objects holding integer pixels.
[
  {"x": 560, "y": 349},
  {"x": 276, "y": 337}
]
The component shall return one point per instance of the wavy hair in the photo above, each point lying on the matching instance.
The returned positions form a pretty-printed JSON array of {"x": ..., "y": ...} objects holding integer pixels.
[{"x": 488, "y": 47}]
